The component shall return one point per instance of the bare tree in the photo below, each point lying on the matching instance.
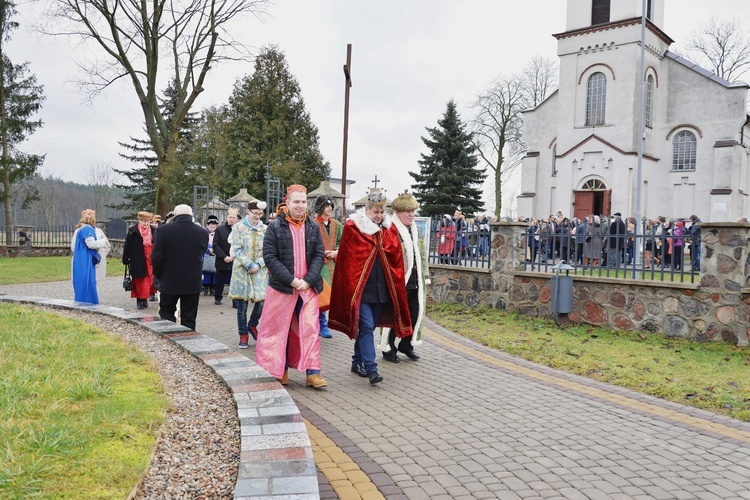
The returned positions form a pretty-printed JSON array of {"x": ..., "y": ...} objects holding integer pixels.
[
  {"x": 541, "y": 79},
  {"x": 498, "y": 126},
  {"x": 101, "y": 177},
  {"x": 724, "y": 45},
  {"x": 135, "y": 37}
]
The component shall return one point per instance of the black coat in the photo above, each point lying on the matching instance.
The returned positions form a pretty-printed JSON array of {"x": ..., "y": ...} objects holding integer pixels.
[
  {"x": 617, "y": 234},
  {"x": 221, "y": 247},
  {"x": 279, "y": 256},
  {"x": 133, "y": 254},
  {"x": 178, "y": 256}
]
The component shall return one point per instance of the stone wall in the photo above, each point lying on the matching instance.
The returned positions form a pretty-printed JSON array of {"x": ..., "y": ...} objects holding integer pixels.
[
  {"x": 52, "y": 251},
  {"x": 717, "y": 308}
]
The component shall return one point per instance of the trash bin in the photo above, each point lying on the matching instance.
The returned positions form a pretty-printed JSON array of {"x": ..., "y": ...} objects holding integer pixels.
[{"x": 562, "y": 289}]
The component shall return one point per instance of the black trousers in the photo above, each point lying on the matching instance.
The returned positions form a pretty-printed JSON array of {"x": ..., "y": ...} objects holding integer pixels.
[
  {"x": 188, "y": 308},
  {"x": 404, "y": 344},
  {"x": 222, "y": 278}
]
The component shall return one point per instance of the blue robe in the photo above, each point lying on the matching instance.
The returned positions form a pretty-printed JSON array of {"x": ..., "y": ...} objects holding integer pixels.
[{"x": 84, "y": 270}]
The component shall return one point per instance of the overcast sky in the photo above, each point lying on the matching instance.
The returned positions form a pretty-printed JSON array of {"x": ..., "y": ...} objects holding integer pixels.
[{"x": 409, "y": 58}]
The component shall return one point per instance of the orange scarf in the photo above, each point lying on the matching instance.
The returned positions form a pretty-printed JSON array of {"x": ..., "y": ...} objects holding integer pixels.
[{"x": 295, "y": 222}]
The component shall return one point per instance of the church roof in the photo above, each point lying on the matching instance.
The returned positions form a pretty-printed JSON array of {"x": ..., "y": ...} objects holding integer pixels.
[
  {"x": 325, "y": 188},
  {"x": 702, "y": 71}
]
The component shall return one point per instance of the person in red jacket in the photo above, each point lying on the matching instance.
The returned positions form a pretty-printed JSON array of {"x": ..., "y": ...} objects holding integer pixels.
[{"x": 369, "y": 287}]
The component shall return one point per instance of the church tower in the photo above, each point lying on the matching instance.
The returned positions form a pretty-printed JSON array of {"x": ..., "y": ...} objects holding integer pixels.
[{"x": 582, "y": 141}]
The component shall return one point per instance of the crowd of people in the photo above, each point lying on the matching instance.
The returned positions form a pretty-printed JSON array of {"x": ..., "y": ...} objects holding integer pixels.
[
  {"x": 611, "y": 241},
  {"x": 292, "y": 280},
  {"x": 460, "y": 238}
]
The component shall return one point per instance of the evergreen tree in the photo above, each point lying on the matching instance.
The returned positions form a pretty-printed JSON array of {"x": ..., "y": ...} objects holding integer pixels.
[
  {"x": 449, "y": 176},
  {"x": 20, "y": 98},
  {"x": 142, "y": 187},
  {"x": 267, "y": 123}
]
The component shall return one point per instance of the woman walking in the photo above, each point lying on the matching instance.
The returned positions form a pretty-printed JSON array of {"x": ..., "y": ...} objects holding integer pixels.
[
  {"x": 137, "y": 254},
  {"x": 85, "y": 246}
]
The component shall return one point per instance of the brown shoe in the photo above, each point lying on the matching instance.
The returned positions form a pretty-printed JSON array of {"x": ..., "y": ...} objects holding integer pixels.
[
  {"x": 315, "y": 380},
  {"x": 284, "y": 380}
]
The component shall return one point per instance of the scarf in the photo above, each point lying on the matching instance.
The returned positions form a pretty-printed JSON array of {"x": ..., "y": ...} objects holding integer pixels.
[
  {"x": 295, "y": 222},
  {"x": 146, "y": 235},
  {"x": 246, "y": 221}
]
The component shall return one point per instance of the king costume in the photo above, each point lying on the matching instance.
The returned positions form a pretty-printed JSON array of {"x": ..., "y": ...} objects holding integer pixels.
[
  {"x": 369, "y": 275},
  {"x": 415, "y": 265}
]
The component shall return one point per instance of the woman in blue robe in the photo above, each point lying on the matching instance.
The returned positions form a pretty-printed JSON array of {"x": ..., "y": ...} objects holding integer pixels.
[{"x": 85, "y": 258}]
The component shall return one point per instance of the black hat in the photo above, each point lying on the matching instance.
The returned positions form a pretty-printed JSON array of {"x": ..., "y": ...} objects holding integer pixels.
[
  {"x": 618, "y": 214},
  {"x": 212, "y": 219},
  {"x": 323, "y": 201}
]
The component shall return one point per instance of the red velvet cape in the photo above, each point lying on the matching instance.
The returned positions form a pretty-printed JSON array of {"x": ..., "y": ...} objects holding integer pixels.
[{"x": 357, "y": 254}]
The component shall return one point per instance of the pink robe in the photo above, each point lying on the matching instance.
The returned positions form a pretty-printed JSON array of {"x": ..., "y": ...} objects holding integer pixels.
[{"x": 281, "y": 334}]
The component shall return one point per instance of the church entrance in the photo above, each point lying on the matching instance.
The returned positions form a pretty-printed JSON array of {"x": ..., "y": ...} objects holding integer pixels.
[{"x": 592, "y": 198}]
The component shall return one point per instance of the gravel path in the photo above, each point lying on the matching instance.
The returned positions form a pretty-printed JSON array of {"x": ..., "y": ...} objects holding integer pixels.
[{"x": 197, "y": 453}]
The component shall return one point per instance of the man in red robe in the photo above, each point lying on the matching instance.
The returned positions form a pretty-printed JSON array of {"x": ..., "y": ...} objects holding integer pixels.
[{"x": 368, "y": 287}]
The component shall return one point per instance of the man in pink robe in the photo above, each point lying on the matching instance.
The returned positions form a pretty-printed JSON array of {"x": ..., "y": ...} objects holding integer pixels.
[{"x": 288, "y": 331}]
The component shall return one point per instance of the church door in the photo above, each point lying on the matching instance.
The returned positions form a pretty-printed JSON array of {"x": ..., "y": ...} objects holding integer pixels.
[{"x": 584, "y": 204}]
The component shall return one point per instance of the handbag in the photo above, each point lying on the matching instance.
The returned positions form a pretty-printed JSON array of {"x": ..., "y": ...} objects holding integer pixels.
[
  {"x": 209, "y": 263},
  {"x": 127, "y": 282},
  {"x": 324, "y": 297}
]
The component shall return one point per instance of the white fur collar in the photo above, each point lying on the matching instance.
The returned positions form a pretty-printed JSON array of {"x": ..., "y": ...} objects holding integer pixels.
[{"x": 367, "y": 226}]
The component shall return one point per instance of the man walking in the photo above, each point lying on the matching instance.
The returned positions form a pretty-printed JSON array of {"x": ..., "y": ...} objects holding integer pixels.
[
  {"x": 223, "y": 258},
  {"x": 369, "y": 284},
  {"x": 177, "y": 259},
  {"x": 288, "y": 331}
]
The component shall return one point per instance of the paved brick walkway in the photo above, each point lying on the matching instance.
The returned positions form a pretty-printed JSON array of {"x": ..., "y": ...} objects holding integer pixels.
[{"x": 469, "y": 422}]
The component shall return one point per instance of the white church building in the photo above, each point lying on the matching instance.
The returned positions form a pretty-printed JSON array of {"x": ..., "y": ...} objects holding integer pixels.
[{"x": 582, "y": 141}]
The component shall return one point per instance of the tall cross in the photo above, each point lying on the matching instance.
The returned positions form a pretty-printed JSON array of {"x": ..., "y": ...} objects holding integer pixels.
[{"x": 375, "y": 181}]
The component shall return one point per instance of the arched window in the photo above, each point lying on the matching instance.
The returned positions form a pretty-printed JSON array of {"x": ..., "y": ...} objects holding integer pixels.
[
  {"x": 554, "y": 160},
  {"x": 596, "y": 99},
  {"x": 593, "y": 185},
  {"x": 649, "y": 104},
  {"x": 683, "y": 150},
  {"x": 599, "y": 12}
]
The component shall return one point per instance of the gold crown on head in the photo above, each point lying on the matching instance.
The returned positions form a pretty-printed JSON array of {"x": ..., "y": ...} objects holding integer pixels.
[
  {"x": 404, "y": 202},
  {"x": 376, "y": 196}
]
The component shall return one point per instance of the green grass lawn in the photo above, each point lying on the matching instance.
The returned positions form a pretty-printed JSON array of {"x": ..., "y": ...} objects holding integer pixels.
[
  {"x": 712, "y": 376},
  {"x": 80, "y": 410},
  {"x": 14, "y": 271}
]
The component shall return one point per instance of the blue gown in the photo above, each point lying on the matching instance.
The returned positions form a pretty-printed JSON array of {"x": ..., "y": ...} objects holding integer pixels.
[{"x": 84, "y": 270}]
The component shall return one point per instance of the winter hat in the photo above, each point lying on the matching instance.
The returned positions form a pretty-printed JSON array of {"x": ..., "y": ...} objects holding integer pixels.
[
  {"x": 404, "y": 202},
  {"x": 183, "y": 210},
  {"x": 256, "y": 205},
  {"x": 323, "y": 201},
  {"x": 145, "y": 216},
  {"x": 212, "y": 219}
]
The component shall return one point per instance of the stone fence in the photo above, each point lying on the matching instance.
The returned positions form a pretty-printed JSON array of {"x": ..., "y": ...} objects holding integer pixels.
[{"x": 716, "y": 308}]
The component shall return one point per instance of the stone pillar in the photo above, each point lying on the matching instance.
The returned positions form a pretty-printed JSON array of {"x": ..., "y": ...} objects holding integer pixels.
[
  {"x": 724, "y": 280},
  {"x": 508, "y": 253}
]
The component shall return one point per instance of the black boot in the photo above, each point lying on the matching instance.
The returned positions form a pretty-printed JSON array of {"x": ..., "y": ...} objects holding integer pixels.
[
  {"x": 391, "y": 356},
  {"x": 141, "y": 304}
]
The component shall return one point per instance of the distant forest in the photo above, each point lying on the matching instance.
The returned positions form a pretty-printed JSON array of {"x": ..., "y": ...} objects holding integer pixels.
[{"x": 59, "y": 203}]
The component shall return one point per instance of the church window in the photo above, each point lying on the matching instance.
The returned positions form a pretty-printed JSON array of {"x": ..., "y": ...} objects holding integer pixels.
[
  {"x": 649, "y": 104},
  {"x": 596, "y": 99},
  {"x": 683, "y": 151},
  {"x": 554, "y": 160},
  {"x": 599, "y": 12},
  {"x": 593, "y": 185}
]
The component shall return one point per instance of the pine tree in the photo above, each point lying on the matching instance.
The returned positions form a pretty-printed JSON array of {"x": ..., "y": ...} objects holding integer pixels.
[
  {"x": 449, "y": 176},
  {"x": 268, "y": 124},
  {"x": 20, "y": 98}
]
